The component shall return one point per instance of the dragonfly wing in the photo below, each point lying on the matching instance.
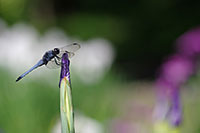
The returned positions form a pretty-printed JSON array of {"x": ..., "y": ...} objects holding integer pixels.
[
  {"x": 70, "y": 49},
  {"x": 54, "y": 63}
]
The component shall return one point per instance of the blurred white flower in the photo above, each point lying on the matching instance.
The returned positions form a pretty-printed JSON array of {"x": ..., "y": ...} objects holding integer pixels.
[
  {"x": 17, "y": 46},
  {"x": 54, "y": 37},
  {"x": 93, "y": 60},
  {"x": 83, "y": 124}
]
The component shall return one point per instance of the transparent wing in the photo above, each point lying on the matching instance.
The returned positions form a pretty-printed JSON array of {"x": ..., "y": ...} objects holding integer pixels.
[
  {"x": 70, "y": 49},
  {"x": 54, "y": 63}
]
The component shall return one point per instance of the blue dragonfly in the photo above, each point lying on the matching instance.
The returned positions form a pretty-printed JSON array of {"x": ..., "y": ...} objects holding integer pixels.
[{"x": 52, "y": 58}]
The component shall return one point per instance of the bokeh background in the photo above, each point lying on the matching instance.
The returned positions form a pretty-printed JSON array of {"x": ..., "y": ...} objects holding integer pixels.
[{"x": 123, "y": 44}]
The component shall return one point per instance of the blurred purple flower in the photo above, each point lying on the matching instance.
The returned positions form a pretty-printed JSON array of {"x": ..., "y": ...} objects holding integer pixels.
[
  {"x": 173, "y": 74},
  {"x": 189, "y": 43},
  {"x": 122, "y": 126}
]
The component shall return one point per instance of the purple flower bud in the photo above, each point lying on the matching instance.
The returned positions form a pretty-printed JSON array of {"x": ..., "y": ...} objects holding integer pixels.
[{"x": 65, "y": 68}]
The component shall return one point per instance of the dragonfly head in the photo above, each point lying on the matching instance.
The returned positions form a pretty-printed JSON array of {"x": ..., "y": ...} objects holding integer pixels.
[{"x": 56, "y": 51}]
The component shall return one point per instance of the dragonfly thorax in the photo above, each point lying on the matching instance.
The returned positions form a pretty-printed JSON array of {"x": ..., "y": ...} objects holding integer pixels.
[{"x": 48, "y": 56}]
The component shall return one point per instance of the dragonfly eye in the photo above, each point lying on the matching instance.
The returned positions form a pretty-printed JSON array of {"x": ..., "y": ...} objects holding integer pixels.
[
  {"x": 75, "y": 43},
  {"x": 56, "y": 51}
]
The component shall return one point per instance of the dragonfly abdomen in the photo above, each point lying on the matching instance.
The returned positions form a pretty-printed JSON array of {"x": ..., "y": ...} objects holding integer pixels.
[{"x": 40, "y": 63}]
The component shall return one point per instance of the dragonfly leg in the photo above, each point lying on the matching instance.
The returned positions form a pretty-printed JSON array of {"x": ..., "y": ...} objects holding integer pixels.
[
  {"x": 57, "y": 57},
  {"x": 56, "y": 62}
]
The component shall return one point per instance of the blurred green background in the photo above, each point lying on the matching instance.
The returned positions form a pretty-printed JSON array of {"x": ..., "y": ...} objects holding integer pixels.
[{"x": 142, "y": 34}]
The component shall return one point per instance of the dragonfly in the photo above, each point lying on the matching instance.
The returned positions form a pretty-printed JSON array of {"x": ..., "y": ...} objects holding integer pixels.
[{"x": 52, "y": 58}]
